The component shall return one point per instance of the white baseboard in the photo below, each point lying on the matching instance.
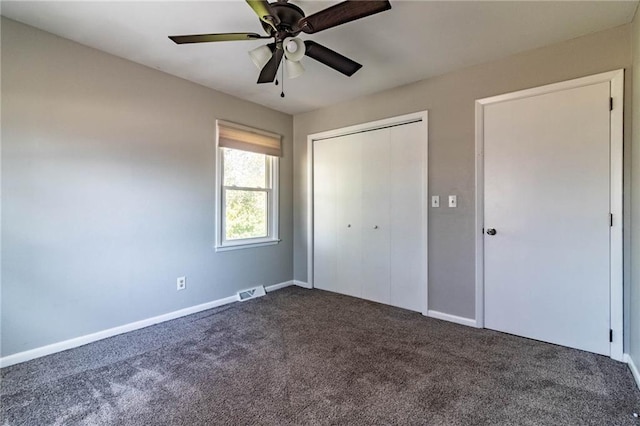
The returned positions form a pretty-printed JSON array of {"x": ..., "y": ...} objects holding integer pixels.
[
  {"x": 287, "y": 284},
  {"x": 302, "y": 284},
  {"x": 451, "y": 318},
  {"x": 275, "y": 287},
  {"x": 93, "y": 337},
  {"x": 633, "y": 368}
]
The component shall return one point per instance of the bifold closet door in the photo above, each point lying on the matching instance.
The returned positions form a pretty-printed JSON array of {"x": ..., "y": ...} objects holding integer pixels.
[
  {"x": 392, "y": 210},
  {"x": 407, "y": 195},
  {"x": 369, "y": 236},
  {"x": 325, "y": 154},
  {"x": 347, "y": 169},
  {"x": 338, "y": 215},
  {"x": 376, "y": 234}
]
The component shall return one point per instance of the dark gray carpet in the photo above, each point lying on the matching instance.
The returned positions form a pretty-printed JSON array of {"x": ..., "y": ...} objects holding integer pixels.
[{"x": 311, "y": 357}]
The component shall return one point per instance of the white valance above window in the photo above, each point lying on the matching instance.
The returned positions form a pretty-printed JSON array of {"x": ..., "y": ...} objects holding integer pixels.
[{"x": 237, "y": 136}]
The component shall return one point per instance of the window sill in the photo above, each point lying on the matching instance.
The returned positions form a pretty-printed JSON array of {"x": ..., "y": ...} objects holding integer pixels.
[{"x": 240, "y": 246}]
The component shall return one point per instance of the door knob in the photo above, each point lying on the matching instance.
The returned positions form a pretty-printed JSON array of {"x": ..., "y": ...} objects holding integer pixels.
[
  {"x": 349, "y": 226},
  {"x": 375, "y": 227},
  {"x": 491, "y": 231}
]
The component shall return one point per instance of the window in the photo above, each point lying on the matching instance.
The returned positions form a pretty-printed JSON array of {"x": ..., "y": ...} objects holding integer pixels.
[{"x": 247, "y": 187}]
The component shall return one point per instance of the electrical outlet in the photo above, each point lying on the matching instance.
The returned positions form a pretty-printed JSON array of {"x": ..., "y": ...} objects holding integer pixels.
[
  {"x": 435, "y": 201},
  {"x": 182, "y": 283}
]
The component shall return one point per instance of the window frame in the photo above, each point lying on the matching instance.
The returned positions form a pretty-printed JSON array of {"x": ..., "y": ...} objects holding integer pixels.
[{"x": 272, "y": 191}]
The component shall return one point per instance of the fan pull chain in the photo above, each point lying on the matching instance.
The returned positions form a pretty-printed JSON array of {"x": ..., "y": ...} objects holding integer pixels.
[{"x": 282, "y": 77}]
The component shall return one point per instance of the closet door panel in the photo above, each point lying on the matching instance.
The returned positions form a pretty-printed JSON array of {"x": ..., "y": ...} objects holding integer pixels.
[
  {"x": 369, "y": 200},
  {"x": 325, "y": 221},
  {"x": 407, "y": 195},
  {"x": 348, "y": 202},
  {"x": 375, "y": 216}
]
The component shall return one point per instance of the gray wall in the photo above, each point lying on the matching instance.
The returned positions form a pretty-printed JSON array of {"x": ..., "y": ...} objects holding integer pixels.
[
  {"x": 108, "y": 192},
  {"x": 634, "y": 347},
  {"x": 450, "y": 101}
]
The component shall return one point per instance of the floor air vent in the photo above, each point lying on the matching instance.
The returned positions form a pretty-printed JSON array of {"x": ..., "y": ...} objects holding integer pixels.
[{"x": 251, "y": 293}]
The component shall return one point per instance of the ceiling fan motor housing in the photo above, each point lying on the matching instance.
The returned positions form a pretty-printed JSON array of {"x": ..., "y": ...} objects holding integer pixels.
[{"x": 289, "y": 15}]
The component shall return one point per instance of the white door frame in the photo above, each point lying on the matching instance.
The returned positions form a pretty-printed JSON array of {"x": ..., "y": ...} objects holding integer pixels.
[
  {"x": 616, "y": 79},
  {"x": 359, "y": 128}
]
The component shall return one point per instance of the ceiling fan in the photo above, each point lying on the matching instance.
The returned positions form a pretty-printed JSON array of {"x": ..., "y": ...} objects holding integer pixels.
[{"x": 283, "y": 21}]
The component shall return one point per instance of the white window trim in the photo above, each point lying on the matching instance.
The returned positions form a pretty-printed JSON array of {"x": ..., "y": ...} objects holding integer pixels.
[{"x": 273, "y": 210}]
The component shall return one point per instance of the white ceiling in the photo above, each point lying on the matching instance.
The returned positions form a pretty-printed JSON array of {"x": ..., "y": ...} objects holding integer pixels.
[{"x": 412, "y": 41}]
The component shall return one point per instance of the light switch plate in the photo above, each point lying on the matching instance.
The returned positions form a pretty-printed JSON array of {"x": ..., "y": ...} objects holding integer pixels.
[
  {"x": 453, "y": 201},
  {"x": 435, "y": 201}
]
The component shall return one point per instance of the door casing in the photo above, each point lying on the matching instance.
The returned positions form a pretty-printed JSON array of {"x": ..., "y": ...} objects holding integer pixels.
[{"x": 616, "y": 80}]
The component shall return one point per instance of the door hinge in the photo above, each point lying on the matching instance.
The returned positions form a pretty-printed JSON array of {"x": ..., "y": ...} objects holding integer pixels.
[
  {"x": 610, "y": 335},
  {"x": 610, "y": 104},
  {"x": 611, "y": 219}
]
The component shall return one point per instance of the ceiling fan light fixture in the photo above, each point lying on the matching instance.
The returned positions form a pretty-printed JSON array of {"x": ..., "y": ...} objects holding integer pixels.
[
  {"x": 294, "y": 48},
  {"x": 260, "y": 56},
  {"x": 283, "y": 21},
  {"x": 294, "y": 68}
]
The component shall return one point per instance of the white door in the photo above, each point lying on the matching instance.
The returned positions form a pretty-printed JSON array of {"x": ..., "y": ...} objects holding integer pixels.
[
  {"x": 325, "y": 155},
  {"x": 376, "y": 176},
  {"x": 369, "y": 236},
  {"x": 407, "y": 195},
  {"x": 546, "y": 174},
  {"x": 347, "y": 169}
]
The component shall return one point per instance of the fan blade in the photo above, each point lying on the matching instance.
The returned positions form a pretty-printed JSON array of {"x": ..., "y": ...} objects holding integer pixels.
[
  {"x": 205, "y": 38},
  {"x": 330, "y": 58},
  {"x": 263, "y": 9},
  {"x": 341, "y": 13},
  {"x": 269, "y": 71}
]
